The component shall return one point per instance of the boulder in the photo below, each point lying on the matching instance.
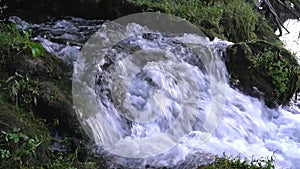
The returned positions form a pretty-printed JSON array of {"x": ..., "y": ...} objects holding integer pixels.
[{"x": 263, "y": 70}]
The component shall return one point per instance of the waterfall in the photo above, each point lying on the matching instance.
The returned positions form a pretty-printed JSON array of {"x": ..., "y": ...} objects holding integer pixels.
[{"x": 182, "y": 103}]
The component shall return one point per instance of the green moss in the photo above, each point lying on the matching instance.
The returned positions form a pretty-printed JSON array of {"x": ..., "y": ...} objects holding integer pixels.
[
  {"x": 277, "y": 68},
  {"x": 24, "y": 140},
  {"x": 197, "y": 12},
  {"x": 264, "y": 32},
  {"x": 239, "y": 21},
  {"x": 234, "y": 20},
  {"x": 24, "y": 137},
  {"x": 280, "y": 65},
  {"x": 270, "y": 68}
]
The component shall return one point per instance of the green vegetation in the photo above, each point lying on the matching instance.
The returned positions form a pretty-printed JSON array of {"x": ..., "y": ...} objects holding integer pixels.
[
  {"x": 25, "y": 140},
  {"x": 239, "y": 19},
  {"x": 13, "y": 41},
  {"x": 25, "y": 143},
  {"x": 229, "y": 162},
  {"x": 20, "y": 149},
  {"x": 22, "y": 90},
  {"x": 234, "y": 20},
  {"x": 270, "y": 68},
  {"x": 278, "y": 69}
]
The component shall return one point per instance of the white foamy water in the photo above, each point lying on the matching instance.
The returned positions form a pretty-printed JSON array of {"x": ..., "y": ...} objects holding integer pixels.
[
  {"x": 291, "y": 40},
  {"x": 245, "y": 126}
]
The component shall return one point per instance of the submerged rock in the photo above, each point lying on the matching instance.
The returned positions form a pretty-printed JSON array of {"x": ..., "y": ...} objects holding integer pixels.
[{"x": 263, "y": 70}]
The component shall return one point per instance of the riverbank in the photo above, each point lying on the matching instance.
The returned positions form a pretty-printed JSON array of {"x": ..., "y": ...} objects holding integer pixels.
[{"x": 36, "y": 103}]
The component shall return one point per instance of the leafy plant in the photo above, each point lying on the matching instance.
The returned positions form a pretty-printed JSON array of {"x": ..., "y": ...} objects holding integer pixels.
[
  {"x": 22, "y": 90},
  {"x": 27, "y": 146},
  {"x": 61, "y": 161},
  {"x": 230, "y": 162},
  {"x": 12, "y": 40},
  {"x": 277, "y": 68},
  {"x": 25, "y": 143},
  {"x": 36, "y": 48},
  {"x": 5, "y": 153}
]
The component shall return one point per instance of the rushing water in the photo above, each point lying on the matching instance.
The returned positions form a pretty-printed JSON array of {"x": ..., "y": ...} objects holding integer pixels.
[
  {"x": 247, "y": 127},
  {"x": 291, "y": 40}
]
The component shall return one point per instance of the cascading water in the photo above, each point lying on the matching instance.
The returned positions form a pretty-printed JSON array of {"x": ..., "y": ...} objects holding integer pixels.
[
  {"x": 62, "y": 38},
  {"x": 246, "y": 126}
]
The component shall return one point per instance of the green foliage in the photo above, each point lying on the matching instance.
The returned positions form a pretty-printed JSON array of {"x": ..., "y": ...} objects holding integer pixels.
[
  {"x": 194, "y": 11},
  {"x": 229, "y": 162},
  {"x": 22, "y": 90},
  {"x": 61, "y": 161},
  {"x": 24, "y": 140},
  {"x": 26, "y": 147},
  {"x": 19, "y": 149},
  {"x": 234, "y": 20},
  {"x": 240, "y": 21},
  {"x": 25, "y": 143},
  {"x": 277, "y": 67},
  {"x": 36, "y": 48},
  {"x": 12, "y": 40}
]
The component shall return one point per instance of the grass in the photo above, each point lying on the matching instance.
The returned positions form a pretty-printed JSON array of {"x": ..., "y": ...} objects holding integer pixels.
[
  {"x": 25, "y": 142},
  {"x": 22, "y": 90},
  {"x": 233, "y": 20},
  {"x": 12, "y": 40},
  {"x": 229, "y": 162},
  {"x": 24, "y": 138}
]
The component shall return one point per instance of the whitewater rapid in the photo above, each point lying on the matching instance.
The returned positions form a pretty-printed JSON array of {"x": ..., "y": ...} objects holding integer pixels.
[{"x": 246, "y": 126}]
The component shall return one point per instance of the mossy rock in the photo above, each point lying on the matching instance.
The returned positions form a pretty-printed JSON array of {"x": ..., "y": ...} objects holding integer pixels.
[
  {"x": 44, "y": 67},
  {"x": 51, "y": 77},
  {"x": 263, "y": 70},
  {"x": 23, "y": 126},
  {"x": 236, "y": 21},
  {"x": 45, "y": 83},
  {"x": 53, "y": 105}
]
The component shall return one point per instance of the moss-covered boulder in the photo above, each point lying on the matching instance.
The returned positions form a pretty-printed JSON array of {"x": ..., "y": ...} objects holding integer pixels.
[
  {"x": 235, "y": 20},
  {"x": 24, "y": 140},
  {"x": 263, "y": 70},
  {"x": 35, "y": 106}
]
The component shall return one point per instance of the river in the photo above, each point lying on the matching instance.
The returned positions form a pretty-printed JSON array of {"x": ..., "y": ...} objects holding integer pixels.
[{"x": 245, "y": 127}]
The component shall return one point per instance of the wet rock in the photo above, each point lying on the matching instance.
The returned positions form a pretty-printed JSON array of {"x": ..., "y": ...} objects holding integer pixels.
[
  {"x": 54, "y": 105},
  {"x": 263, "y": 70}
]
